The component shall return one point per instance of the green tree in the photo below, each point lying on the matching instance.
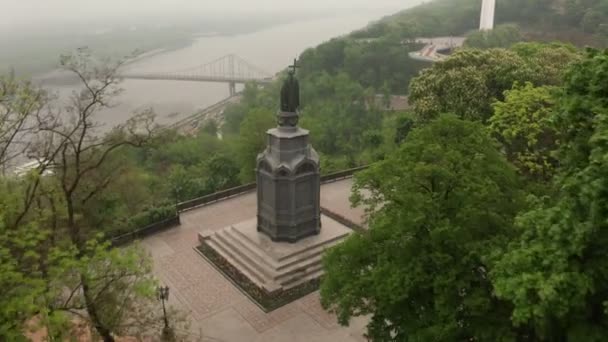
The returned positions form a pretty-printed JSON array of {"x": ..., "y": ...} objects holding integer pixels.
[
  {"x": 440, "y": 206},
  {"x": 49, "y": 234},
  {"x": 252, "y": 140},
  {"x": 502, "y": 36},
  {"x": 524, "y": 124},
  {"x": 555, "y": 273},
  {"x": 467, "y": 83},
  {"x": 221, "y": 173},
  {"x": 23, "y": 293},
  {"x": 548, "y": 61}
]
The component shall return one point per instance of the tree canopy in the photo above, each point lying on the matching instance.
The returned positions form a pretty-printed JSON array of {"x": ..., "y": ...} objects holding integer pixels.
[
  {"x": 442, "y": 204},
  {"x": 469, "y": 81},
  {"x": 454, "y": 253},
  {"x": 555, "y": 272}
]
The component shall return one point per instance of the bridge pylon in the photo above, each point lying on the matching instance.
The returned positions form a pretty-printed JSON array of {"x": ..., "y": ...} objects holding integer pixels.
[{"x": 232, "y": 88}]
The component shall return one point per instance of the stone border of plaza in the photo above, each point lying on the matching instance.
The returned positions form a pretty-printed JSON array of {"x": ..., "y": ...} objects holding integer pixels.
[{"x": 342, "y": 220}]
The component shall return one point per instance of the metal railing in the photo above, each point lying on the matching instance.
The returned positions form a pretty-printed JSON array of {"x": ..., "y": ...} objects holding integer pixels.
[
  {"x": 215, "y": 197},
  {"x": 218, "y": 196},
  {"x": 154, "y": 228}
]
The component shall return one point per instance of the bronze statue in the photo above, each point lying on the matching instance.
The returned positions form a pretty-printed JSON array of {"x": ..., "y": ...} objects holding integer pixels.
[{"x": 290, "y": 92}]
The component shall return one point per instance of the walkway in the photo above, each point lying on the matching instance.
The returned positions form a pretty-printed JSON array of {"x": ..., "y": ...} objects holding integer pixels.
[
  {"x": 218, "y": 309},
  {"x": 436, "y": 48}
]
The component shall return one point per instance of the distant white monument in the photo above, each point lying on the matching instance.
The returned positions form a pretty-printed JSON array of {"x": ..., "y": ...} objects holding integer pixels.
[{"x": 488, "y": 8}]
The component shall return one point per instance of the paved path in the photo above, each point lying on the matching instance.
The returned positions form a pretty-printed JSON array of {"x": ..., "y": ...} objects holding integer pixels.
[
  {"x": 432, "y": 51},
  {"x": 218, "y": 309}
]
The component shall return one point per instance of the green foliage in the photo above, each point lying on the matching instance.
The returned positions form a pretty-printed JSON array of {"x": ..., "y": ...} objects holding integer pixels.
[
  {"x": 502, "y": 36},
  {"x": 373, "y": 63},
  {"x": 184, "y": 151},
  {"x": 252, "y": 140},
  {"x": 22, "y": 290},
  {"x": 576, "y": 21},
  {"x": 440, "y": 206},
  {"x": 524, "y": 124},
  {"x": 434, "y": 18},
  {"x": 555, "y": 273},
  {"x": 586, "y": 14},
  {"x": 253, "y": 97},
  {"x": 340, "y": 116},
  {"x": 548, "y": 61},
  {"x": 121, "y": 284},
  {"x": 150, "y": 216},
  {"x": 468, "y": 82}
]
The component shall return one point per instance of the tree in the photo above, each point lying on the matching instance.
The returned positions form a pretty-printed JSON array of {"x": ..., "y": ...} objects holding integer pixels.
[
  {"x": 222, "y": 172},
  {"x": 22, "y": 289},
  {"x": 252, "y": 140},
  {"x": 49, "y": 234},
  {"x": 440, "y": 207},
  {"x": 524, "y": 124},
  {"x": 21, "y": 107},
  {"x": 555, "y": 272},
  {"x": 548, "y": 61},
  {"x": 118, "y": 283},
  {"x": 467, "y": 83},
  {"x": 502, "y": 36}
]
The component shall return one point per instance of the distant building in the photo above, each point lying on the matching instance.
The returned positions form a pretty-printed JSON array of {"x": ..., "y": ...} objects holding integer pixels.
[
  {"x": 397, "y": 102},
  {"x": 24, "y": 169}
]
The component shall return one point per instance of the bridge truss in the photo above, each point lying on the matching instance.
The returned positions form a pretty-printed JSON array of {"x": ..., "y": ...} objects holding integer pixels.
[{"x": 230, "y": 69}]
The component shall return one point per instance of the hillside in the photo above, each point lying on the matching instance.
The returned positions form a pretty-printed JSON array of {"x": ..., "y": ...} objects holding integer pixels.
[{"x": 580, "y": 22}]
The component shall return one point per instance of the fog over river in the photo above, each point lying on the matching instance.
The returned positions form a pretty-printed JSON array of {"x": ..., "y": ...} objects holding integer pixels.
[{"x": 271, "y": 49}]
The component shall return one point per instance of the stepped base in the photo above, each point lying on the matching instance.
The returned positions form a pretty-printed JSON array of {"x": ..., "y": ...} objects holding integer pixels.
[{"x": 274, "y": 266}]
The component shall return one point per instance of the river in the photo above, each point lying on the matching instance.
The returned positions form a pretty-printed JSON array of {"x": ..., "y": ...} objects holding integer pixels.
[{"x": 271, "y": 49}]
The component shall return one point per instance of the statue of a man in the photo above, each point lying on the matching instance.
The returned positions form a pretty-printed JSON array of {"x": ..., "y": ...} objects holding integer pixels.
[{"x": 290, "y": 92}]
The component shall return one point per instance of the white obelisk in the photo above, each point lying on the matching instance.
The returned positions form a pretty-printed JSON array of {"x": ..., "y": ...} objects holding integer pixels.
[{"x": 488, "y": 8}]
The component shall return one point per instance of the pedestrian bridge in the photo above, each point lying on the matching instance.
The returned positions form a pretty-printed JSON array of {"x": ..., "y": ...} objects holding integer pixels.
[{"x": 230, "y": 69}]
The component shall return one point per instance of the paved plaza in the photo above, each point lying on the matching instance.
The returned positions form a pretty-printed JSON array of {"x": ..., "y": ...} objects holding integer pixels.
[{"x": 218, "y": 310}]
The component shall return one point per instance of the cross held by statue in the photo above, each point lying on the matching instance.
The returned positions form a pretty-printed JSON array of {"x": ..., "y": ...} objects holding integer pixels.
[
  {"x": 290, "y": 91},
  {"x": 294, "y": 66}
]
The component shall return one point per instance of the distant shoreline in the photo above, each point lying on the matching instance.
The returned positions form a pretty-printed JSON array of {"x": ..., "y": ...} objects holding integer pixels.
[{"x": 60, "y": 77}]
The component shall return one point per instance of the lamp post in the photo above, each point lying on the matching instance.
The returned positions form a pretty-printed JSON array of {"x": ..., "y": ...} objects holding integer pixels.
[
  {"x": 178, "y": 189},
  {"x": 163, "y": 295}
]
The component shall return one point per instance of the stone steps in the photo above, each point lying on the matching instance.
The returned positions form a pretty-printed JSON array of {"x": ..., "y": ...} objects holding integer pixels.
[
  {"x": 226, "y": 254},
  {"x": 285, "y": 262},
  {"x": 313, "y": 275},
  {"x": 274, "y": 266},
  {"x": 281, "y": 272},
  {"x": 260, "y": 269}
]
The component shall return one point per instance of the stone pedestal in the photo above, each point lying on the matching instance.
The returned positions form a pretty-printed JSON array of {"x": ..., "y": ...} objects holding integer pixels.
[
  {"x": 270, "y": 265},
  {"x": 288, "y": 183}
]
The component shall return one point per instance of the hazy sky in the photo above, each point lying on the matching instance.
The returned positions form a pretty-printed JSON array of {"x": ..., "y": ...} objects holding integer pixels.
[{"x": 18, "y": 14}]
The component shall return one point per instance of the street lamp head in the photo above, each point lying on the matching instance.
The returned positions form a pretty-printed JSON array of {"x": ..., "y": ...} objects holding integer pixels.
[{"x": 163, "y": 293}]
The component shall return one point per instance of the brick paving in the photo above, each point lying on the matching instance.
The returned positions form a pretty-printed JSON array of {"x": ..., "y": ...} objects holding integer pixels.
[
  {"x": 335, "y": 197},
  {"x": 219, "y": 310}
]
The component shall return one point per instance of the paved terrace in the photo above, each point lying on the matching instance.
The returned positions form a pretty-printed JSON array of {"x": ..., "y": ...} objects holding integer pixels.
[{"x": 218, "y": 310}]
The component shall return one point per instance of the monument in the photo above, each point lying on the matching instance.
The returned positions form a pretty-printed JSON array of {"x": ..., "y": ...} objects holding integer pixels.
[
  {"x": 282, "y": 247},
  {"x": 488, "y": 9},
  {"x": 288, "y": 175}
]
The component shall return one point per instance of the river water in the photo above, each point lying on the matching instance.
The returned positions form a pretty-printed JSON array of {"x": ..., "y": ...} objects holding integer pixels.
[{"x": 271, "y": 50}]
